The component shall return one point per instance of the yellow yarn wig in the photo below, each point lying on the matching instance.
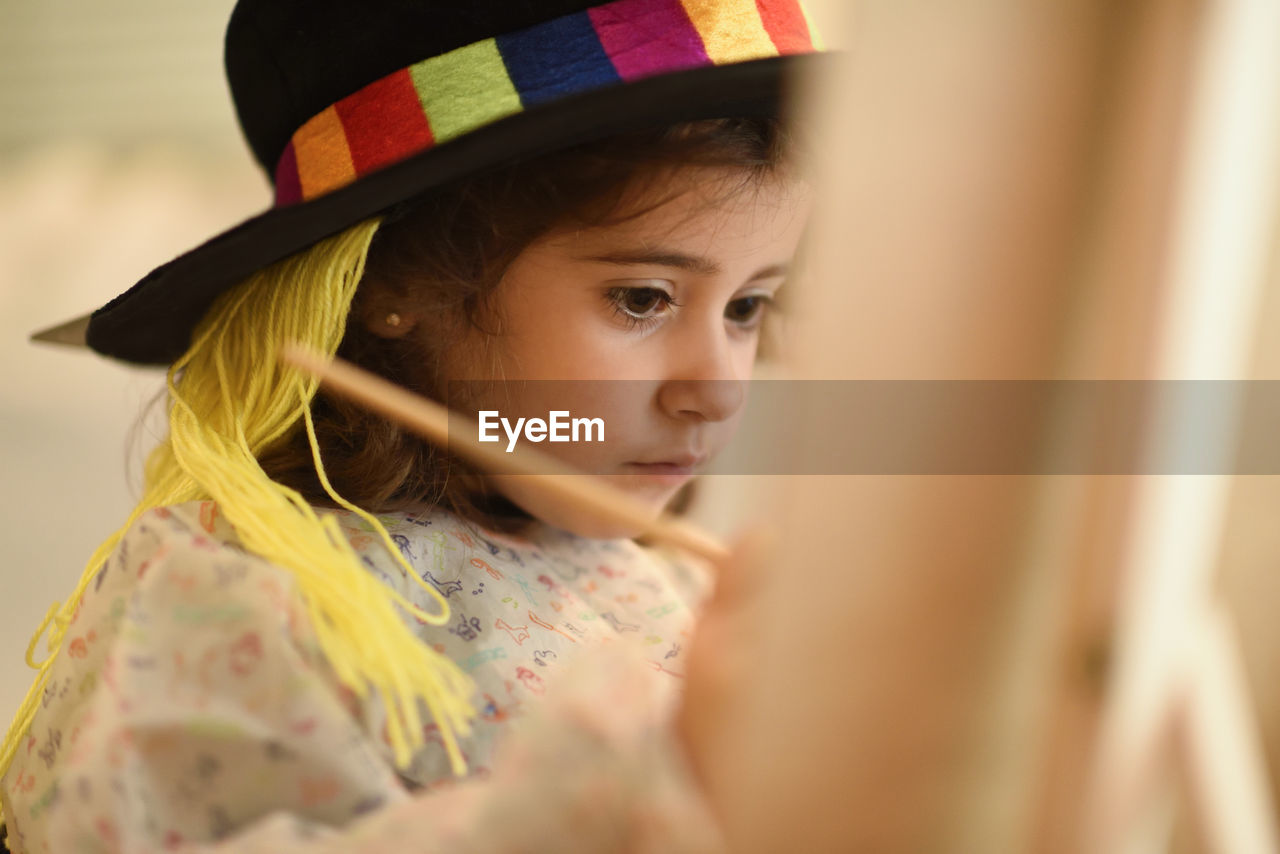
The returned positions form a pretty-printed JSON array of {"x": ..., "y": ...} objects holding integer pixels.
[{"x": 230, "y": 398}]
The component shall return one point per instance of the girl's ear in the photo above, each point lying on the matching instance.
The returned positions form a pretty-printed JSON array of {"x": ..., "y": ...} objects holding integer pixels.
[{"x": 385, "y": 313}]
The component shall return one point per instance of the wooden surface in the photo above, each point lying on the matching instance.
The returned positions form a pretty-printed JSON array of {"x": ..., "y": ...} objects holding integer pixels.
[{"x": 963, "y": 148}]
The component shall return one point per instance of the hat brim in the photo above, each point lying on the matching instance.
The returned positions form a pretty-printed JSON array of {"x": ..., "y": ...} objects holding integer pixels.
[{"x": 152, "y": 322}]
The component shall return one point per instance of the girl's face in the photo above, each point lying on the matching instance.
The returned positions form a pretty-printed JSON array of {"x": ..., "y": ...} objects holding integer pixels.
[{"x": 650, "y": 325}]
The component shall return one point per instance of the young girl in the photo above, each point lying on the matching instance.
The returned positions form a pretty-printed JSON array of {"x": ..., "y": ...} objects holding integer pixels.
[{"x": 317, "y": 632}]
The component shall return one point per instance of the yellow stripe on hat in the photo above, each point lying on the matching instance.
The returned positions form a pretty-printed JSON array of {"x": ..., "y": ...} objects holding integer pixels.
[
  {"x": 731, "y": 31},
  {"x": 324, "y": 159}
]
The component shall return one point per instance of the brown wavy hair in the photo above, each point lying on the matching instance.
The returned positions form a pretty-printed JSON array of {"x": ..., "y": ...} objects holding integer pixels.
[{"x": 450, "y": 248}]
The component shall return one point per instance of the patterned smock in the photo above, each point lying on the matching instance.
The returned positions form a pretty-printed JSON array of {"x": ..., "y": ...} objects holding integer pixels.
[{"x": 191, "y": 708}]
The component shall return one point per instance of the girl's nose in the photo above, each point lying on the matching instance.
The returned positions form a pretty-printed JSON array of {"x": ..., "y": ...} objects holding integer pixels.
[
  {"x": 705, "y": 384},
  {"x": 702, "y": 400}
]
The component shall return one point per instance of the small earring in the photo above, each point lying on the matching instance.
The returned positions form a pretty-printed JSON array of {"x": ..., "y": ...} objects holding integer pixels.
[{"x": 393, "y": 319}]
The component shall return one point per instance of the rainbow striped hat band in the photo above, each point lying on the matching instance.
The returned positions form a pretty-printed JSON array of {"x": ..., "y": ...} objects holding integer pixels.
[{"x": 443, "y": 97}]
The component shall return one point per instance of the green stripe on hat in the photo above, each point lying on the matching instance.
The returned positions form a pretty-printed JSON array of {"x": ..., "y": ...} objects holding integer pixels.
[{"x": 464, "y": 89}]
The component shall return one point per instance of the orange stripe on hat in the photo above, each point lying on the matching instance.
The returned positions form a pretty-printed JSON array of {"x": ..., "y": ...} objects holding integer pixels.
[{"x": 324, "y": 159}]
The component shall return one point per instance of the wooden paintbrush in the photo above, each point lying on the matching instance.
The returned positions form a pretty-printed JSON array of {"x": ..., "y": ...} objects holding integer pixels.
[{"x": 432, "y": 421}]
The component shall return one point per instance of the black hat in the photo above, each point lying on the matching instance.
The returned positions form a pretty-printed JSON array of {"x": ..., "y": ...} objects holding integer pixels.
[{"x": 355, "y": 106}]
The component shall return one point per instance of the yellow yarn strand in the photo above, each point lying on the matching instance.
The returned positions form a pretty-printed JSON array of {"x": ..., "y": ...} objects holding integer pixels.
[{"x": 230, "y": 399}]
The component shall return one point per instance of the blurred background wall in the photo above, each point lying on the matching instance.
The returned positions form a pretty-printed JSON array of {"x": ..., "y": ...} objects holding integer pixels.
[{"x": 118, "y": 150}]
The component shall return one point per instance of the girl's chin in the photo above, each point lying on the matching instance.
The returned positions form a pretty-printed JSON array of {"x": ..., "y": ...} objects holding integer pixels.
[
  {"x": 585, "y": 524},
  {"x": 658, "y": 481},
  {"x": 653, "y": 496}
]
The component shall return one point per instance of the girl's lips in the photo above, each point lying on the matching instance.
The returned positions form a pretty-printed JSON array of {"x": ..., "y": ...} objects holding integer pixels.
[
  {"x": 662, "y": 468},
  {"x": 670, "y": 473}
]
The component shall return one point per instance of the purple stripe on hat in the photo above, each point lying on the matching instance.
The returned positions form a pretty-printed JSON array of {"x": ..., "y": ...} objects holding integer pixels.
[
  {"x": 644, "y": 37},
  {"x": 558, "y": 58},
  {"x": 288, "y": 184}
]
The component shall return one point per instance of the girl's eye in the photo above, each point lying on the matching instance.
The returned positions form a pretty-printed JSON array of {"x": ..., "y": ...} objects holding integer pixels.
[
  {"x": 639, "y": 305},
  {"x": 747, "y": 311}
]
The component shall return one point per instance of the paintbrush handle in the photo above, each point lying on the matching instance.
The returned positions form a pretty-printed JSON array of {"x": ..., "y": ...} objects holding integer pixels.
[{"x": 432, "y": 421}]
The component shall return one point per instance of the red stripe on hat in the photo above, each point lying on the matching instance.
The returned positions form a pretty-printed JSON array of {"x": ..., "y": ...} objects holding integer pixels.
[
  {"x": 384, "y": 122},
  {"x": 288, "y": 185},
  {"x": 785, "y": 24}
]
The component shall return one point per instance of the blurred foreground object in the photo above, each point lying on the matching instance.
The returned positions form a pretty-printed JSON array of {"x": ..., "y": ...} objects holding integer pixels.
[{"x": 1019, "y": 191}]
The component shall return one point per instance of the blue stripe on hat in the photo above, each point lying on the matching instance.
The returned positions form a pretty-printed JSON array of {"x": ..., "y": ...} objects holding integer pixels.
[{"x": 555, "y": 59}]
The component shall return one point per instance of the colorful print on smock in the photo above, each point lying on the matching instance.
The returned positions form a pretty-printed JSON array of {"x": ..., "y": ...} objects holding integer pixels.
[{"x": 192, "y": 706}]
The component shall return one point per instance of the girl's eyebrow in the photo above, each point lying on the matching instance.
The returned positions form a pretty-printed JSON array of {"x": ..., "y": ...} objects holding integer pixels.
[{"x": 678, "y": 260}]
